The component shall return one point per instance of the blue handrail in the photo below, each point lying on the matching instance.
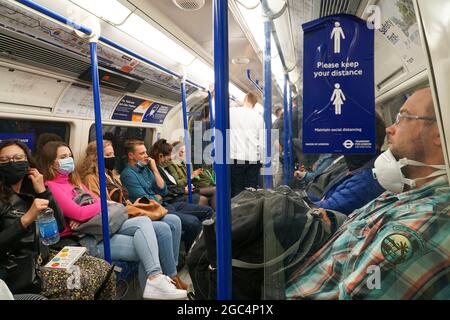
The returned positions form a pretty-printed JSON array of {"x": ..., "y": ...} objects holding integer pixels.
[
  {"x": 99, "y": 139},
  {"x": 255, "y": 83},
  {"x": 268, "y": 178},
  {"x": 187, "y": 142},
  {"x": 211, "y": 124},
  {"x": 222, "y": 123},
  {"x": 52, "y": 14},
  {"x": 291, "y": 146}
]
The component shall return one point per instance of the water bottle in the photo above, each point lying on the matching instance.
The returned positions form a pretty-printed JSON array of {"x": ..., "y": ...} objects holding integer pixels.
[{"x": 48, "y": 227}]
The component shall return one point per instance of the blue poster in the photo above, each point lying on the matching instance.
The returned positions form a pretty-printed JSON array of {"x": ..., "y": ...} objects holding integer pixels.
[
  {"x": 338, "y": 86},
  {"x": 27, "y": 138},
  {"x": 140, "y": 110}
]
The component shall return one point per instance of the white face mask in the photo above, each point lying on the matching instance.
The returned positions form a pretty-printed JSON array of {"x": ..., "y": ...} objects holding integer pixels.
[{"x": 390, "y": 176}]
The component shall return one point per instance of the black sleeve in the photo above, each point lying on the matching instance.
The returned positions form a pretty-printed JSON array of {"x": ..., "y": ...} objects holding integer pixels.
[
  {"x": 11, "y": 234},
  {"x": 59, "y": 216}
]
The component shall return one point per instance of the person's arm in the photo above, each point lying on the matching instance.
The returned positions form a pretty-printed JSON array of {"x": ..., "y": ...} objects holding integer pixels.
[
  {"x": 160, "y": 183},
  {"x": 407, "y": 259},
  {"x": 71, "y": 209},
  {"x": 135, "y": 189},
  {"x": 352, "y": 194},
  {"x": 20, "y": 227}
]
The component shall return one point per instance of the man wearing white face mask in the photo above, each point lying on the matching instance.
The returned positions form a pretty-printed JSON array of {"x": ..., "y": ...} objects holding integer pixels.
[{"x": 397, "y": 246}]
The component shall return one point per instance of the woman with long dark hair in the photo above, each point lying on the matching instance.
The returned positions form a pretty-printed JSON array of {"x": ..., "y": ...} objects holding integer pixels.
[
  {"x": 23, "y": 196},
  {"x": 134, "y": 241}
]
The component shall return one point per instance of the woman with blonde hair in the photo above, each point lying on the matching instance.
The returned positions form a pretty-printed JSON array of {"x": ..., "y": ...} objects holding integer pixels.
[
  {"x": 167, "y": 229},
  {"x": 134, "y": 241}
]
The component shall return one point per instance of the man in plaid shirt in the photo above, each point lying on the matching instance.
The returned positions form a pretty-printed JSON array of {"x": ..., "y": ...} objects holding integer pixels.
[{"x": 397, "y": 246}]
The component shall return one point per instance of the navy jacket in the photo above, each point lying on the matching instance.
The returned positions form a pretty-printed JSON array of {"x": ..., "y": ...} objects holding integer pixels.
[{"x": 351, "y": 192}]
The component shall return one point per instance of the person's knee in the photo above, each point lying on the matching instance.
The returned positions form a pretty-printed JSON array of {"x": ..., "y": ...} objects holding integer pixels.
[
  {"x": 162, "y": 229},
  {"x": 173, "y": 221}
]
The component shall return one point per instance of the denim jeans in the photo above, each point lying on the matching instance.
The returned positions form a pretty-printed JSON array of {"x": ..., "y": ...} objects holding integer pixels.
[
  {"x": 191, "y": 216},
  {"x": 137, "y": 240}
]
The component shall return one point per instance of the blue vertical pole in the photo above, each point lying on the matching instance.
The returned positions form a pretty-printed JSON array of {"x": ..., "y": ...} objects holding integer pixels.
[
  {"x": 222, "y": 123},
  {"x": 101, "y": 160},
  {"x": 286, "y": 134},
  {"x": 291, "y": 145},
  {"x": 211, "y": 124},
  {"x": 187, "y": 142},
  {"x": 268, "y": 178}
]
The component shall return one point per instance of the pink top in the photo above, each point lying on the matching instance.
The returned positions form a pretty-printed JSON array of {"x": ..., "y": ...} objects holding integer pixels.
[{"x": 62, "y": 191}]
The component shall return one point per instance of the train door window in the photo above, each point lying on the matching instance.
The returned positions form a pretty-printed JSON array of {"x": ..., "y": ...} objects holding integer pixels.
[
  {"x": 33, "y": 131},
  {"x": 118, "y": 135}
]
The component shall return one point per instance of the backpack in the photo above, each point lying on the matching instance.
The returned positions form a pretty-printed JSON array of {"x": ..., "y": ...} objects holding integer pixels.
[{"x": 272, "y": 232}]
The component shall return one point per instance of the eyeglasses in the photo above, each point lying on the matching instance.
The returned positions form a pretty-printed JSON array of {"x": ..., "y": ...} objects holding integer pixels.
[
  {"x": 15, "y": 158},
  {"x": 407, "y": 116}
]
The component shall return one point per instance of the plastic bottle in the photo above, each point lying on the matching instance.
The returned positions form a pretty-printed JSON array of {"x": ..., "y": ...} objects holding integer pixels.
[{"x": 48, "y": 227}]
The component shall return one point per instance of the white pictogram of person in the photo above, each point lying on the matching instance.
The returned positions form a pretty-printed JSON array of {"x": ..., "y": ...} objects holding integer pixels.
[
  {"x": 338, "y": 99},
  {"x": 337, "y": 33}
]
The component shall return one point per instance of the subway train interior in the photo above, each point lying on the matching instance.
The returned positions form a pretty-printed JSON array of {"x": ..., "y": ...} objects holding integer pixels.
[{"x": 224, "y": 149}]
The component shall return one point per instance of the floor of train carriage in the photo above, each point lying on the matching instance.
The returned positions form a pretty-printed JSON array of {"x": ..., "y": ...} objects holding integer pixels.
[{"x": 131, "y": 290}]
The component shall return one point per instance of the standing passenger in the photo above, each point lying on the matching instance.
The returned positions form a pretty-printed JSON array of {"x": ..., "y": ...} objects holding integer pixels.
[{"x": 246, "y": 145}]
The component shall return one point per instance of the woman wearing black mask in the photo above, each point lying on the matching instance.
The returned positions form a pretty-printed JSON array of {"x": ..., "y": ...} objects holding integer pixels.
[{"x": 23, "y": 196}]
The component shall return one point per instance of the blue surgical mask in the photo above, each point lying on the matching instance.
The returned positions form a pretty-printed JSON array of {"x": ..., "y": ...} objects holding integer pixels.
[
  {"x": 141, "y": 164},
  {"x": 66, "y": 166}
]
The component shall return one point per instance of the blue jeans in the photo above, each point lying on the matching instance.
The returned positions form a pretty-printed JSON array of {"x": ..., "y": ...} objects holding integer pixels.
[
  {"x": 191, "y": 216},
  {"x": 138, "y": 240}
]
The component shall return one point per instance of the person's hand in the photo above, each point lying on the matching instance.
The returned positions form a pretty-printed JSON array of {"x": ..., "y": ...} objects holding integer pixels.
[
  {"x": 196, "y": 173},
  {"x": 37, "y": 179},
  {"x": 152, "y": 164},
  {"x": 137, "y": 201},
  {"x": 74, "y": 224},
  {"x": 37, "y": 206},
  {"x": 299, "y": 174},
  {"x": 324, "y": 216}
]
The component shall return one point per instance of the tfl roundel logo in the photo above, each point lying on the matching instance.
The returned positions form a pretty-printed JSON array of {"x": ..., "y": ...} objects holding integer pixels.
[{"x": 348, "y": 144}]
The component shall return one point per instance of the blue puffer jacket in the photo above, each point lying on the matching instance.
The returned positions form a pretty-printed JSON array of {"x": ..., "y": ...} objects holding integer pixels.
[{"x": 352, "y": 192}]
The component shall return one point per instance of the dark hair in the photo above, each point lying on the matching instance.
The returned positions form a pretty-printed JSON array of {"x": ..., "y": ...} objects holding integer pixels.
[
  {"x": 48, "y": 156},
  {"x": 160, "y": 147},
  {"x": 380, "y": 131},
  {"x": 5, "y": 191}
]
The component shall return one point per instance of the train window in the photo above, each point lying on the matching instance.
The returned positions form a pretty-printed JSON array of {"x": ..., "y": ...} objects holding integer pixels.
[
  {"x": 29, "y": 131},
  {"x": 118, "y": 134}
]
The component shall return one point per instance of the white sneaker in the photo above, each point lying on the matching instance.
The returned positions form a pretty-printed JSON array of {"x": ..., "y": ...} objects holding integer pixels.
[{"x": 163, "y": 288}]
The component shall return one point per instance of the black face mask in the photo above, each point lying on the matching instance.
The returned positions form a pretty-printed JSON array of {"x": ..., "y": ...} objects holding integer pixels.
[
  {"x": 109, "y": 163},
  {"x": 13, "y": 172}
]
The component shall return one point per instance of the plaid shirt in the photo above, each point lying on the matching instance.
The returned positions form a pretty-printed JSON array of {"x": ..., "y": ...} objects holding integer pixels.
[{"x": 396, "y": 247}]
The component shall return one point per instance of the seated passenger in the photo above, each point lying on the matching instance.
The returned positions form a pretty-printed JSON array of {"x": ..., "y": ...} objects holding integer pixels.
[
  {"x": 202, "y": 179},
  {"x": 162, "y": 153},
  {"x": 397, "y": 246},
  {"x": 142, "y": 179},
  {"x": 167, "y": 230},
  {"x": 357, "y": 186},
  {"x": 324, "y": 161},
  {"x": 134, "y": 241},
  {"x": 41, "y": 142},
  {"x": 23, "y": 196}
]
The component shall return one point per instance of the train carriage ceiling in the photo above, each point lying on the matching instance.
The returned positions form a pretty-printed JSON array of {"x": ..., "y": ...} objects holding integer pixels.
[{"x": 398, "y": 55}]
